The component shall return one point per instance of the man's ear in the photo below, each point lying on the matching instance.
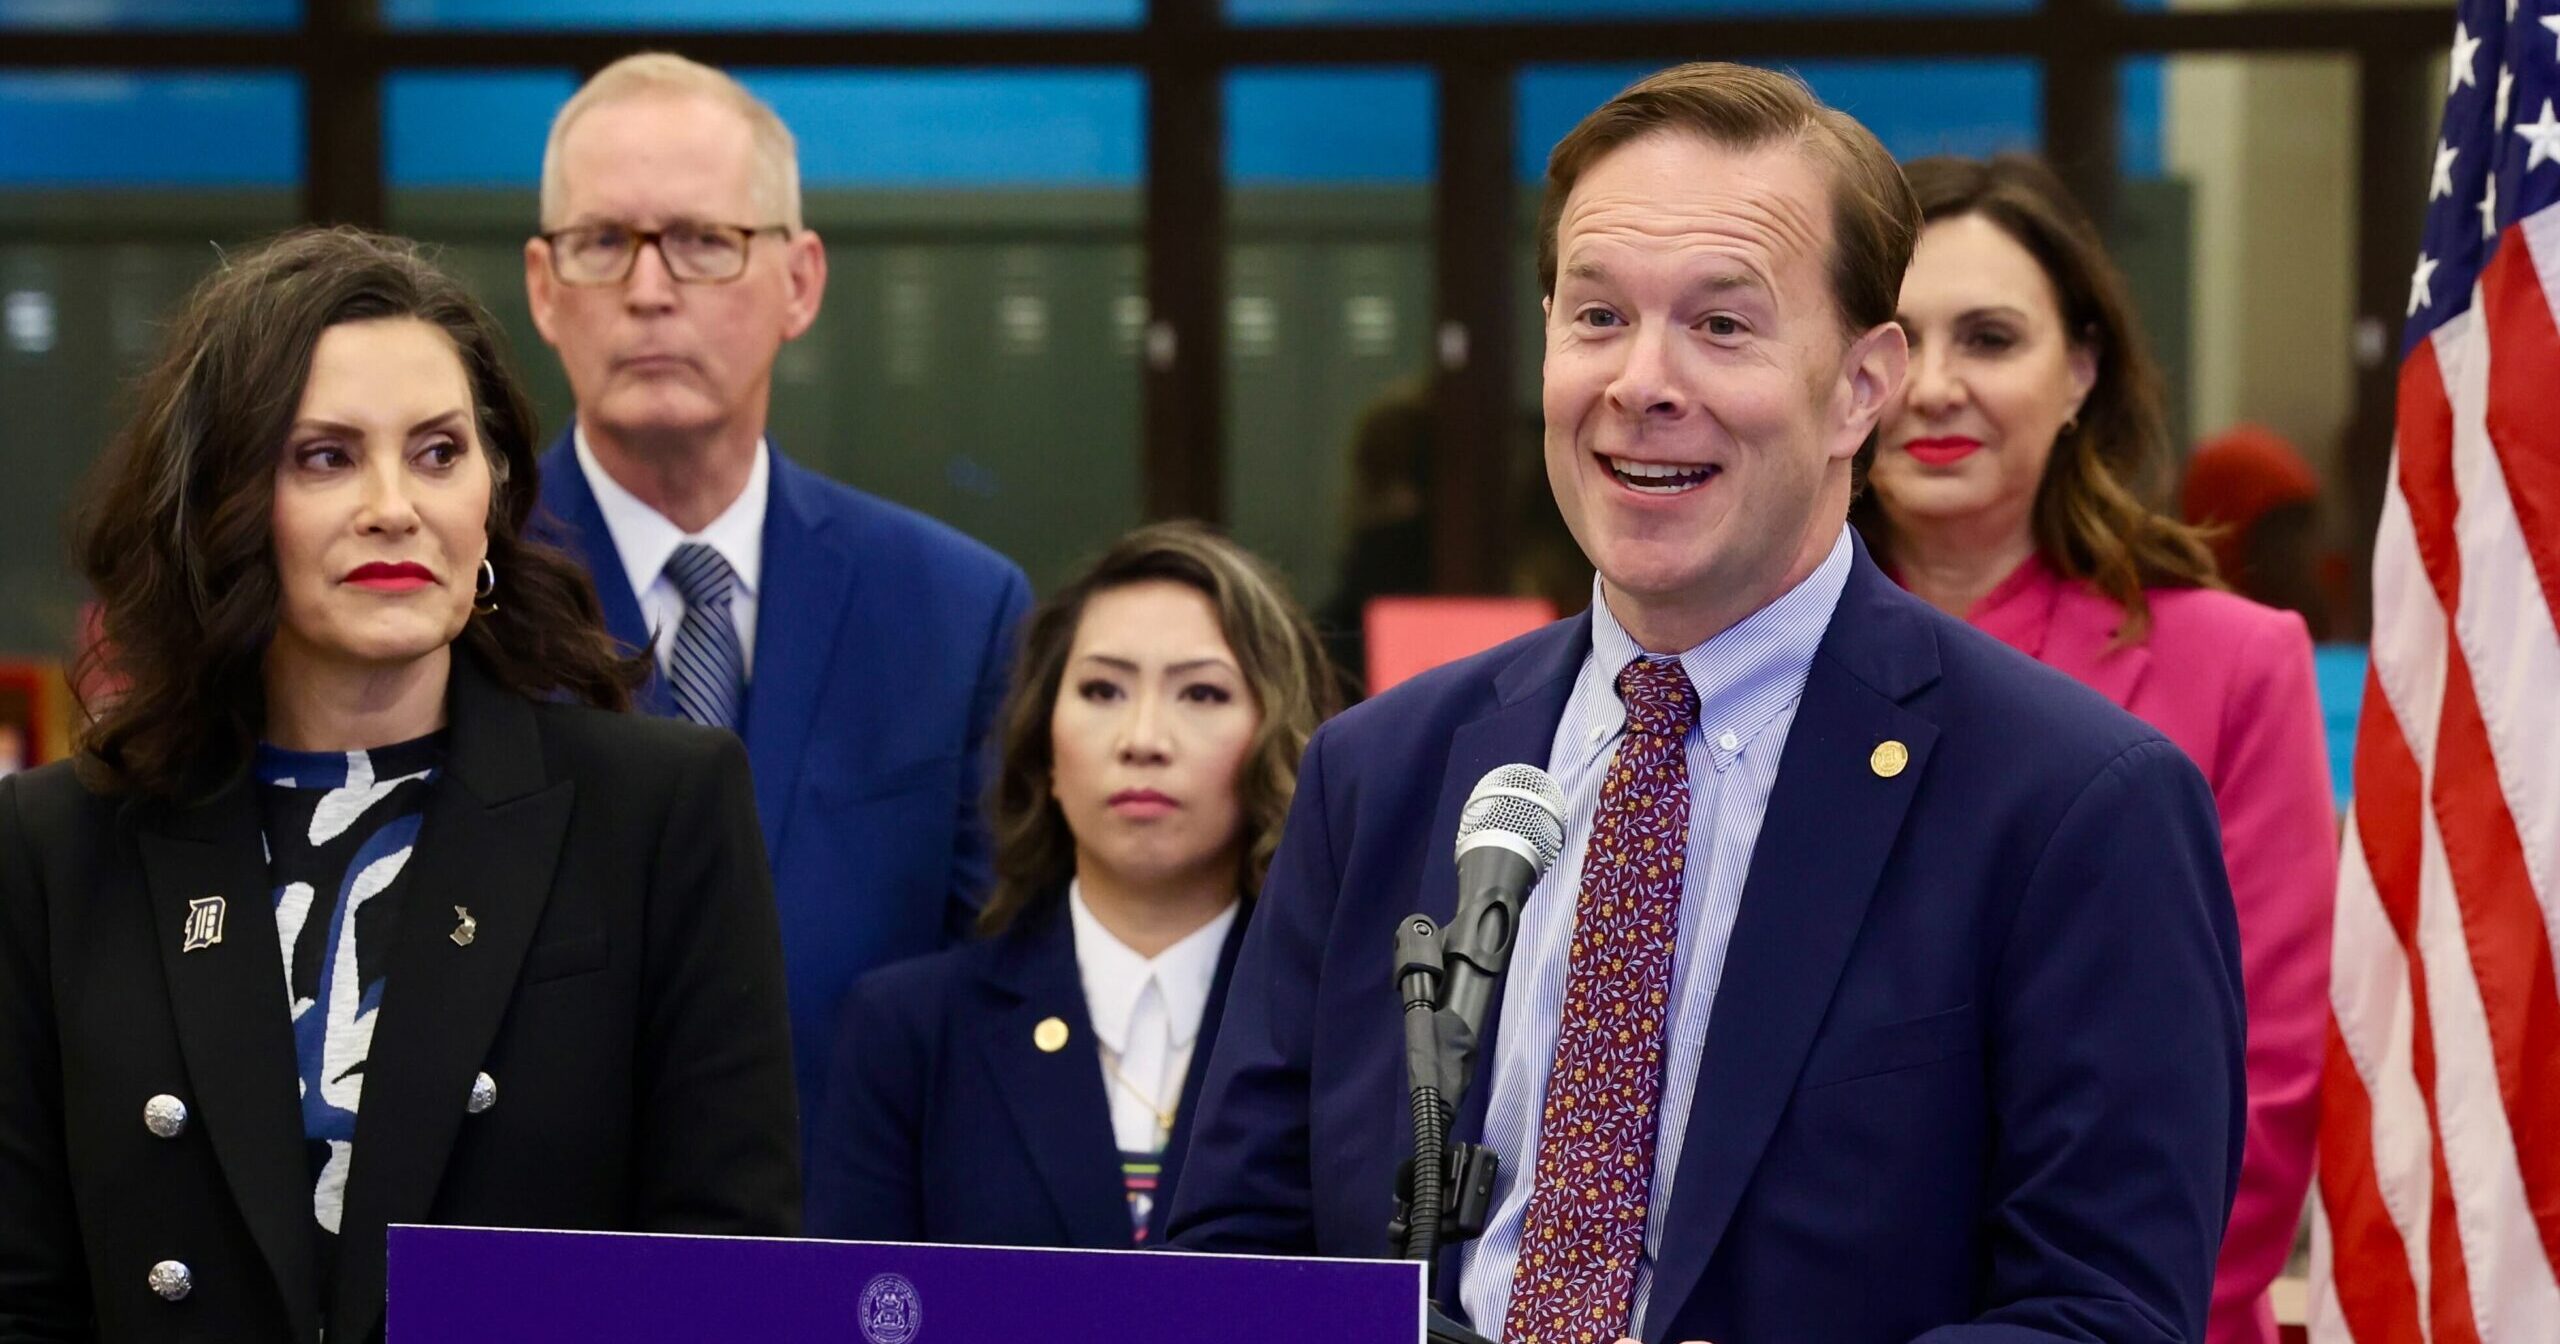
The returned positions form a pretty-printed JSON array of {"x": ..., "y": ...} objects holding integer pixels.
[
  {"x": 541, "y": 288},
  {"x": 805, "y": 271},
  {"x": 1871, "y": 376}
]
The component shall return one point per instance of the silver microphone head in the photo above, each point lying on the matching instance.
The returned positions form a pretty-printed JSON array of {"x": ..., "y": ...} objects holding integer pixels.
[{"x": 1519, "y": 808}]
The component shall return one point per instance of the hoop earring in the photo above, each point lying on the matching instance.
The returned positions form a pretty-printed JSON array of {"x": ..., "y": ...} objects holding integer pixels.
[{"x": 481, "y": 605}]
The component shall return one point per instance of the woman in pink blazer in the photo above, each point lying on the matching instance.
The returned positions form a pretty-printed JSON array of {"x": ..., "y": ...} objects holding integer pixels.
[{"x": 2006, "y": 487}]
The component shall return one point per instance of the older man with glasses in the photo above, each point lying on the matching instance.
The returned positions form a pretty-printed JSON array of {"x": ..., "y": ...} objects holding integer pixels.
[{"x": 858, "y": 648}]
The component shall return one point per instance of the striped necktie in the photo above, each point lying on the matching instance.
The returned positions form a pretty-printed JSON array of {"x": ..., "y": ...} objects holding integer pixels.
[
  {"x": 1584, "y": 1228},
  {"x": 708, "y": 671}
]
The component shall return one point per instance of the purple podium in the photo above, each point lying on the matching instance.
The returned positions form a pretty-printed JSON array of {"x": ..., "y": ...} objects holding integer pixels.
[{"x": 507, "y": 1287}]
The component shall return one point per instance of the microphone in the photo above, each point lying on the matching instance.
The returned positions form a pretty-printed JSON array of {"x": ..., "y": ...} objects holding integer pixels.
[{"x": 1511, "y": 831}]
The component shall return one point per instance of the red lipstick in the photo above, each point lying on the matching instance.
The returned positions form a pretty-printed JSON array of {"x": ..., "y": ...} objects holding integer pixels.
[
  {"x": 1942, "y": 452},
  {"x": 406, "y": 576}
]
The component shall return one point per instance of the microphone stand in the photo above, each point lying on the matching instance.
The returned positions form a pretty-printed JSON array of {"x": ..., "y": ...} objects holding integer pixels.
[{"x": 1444, "y": 1194}]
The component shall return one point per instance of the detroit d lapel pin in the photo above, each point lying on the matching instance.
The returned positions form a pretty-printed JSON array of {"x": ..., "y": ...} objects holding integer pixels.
[{"x": 204, "y": 924}]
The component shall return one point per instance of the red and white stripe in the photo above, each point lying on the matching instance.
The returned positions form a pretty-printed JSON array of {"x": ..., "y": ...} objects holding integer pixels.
[{"x": 2438, "y": 1217}]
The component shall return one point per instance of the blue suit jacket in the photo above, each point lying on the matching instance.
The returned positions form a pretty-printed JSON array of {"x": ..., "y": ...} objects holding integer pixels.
[
  {"x": 883, "y": 641},
  {"x": 945, "y": 1122},
  {"x": 1974, "y": 1071}
]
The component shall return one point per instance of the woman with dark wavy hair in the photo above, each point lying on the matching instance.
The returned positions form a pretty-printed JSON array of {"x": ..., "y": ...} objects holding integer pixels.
[
  {"x": 2012, "y": 485},
  {"x": 1034, "y": 1089},
  {"x": 359, "y": 905}
]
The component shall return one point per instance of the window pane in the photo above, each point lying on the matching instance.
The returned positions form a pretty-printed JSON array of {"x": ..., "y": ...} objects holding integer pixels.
[
  {"x": 106, "y": 219},
  {"x": 1579, "y": 11},
  {"x": 763, "y": 13},
  {"x": 976, "y": 356},
  {"x": 110, "y": 129},
  {"x": 150, "y": 13},
  {"x": 1329, "y": 307},
  {"x": 1914, "y": 107},
  {"x": 469, "y": 129}
]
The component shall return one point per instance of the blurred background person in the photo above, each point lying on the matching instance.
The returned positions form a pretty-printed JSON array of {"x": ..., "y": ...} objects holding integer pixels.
[
  {"x": 1035, "y": 1089},
  {"x": 1386, "y": 507},
  {"x": 361, "y": 753},
  {"x": 672, "y": 268},
  {"x": 2256, "y": 502},
  {"x": 2008, "y": 487}
]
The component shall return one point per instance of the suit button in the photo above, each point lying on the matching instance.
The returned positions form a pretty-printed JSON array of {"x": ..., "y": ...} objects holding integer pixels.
[
  {"x": 172, "y": 1280},
  {"x": 165, "y": 1116},
  {"x": 484, "y": 1094}
]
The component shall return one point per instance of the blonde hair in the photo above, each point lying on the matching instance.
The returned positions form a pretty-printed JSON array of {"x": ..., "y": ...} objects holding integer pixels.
[{"x": 662, "y": 74}]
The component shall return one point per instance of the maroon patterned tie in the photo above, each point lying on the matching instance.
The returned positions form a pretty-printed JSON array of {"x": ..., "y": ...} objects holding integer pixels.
[{"x": 1584, "y": 1229}]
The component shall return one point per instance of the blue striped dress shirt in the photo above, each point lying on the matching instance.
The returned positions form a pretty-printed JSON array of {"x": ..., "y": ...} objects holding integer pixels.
[{"x": 1749, "y": 680}]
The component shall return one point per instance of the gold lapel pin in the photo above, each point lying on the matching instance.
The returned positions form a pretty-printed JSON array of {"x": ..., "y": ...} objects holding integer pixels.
[
  {"x": 1888, "y": 758},
  {"x": 1050, "y": 1035},
  {"x": 204, "y": 924},
  {"x": 467, "y": 930}
]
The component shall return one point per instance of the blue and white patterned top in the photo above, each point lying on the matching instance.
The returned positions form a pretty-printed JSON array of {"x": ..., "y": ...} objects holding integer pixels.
[
  {"x": 339, "y": 828},
  {"x": 1749, "y": 680}
]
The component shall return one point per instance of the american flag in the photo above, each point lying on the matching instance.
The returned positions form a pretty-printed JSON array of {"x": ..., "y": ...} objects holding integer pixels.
[{"x": 2439, "y": 1210}]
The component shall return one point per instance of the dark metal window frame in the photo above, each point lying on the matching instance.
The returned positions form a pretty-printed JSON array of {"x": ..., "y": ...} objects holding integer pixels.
[{"x": 1185, "y": 47}]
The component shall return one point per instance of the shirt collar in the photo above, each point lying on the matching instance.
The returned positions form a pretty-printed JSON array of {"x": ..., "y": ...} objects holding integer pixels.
[
  {"x": 1116, "y": 977},
  {"x": 1746, "y": 674},
  {"x": 645, "y": 539}
]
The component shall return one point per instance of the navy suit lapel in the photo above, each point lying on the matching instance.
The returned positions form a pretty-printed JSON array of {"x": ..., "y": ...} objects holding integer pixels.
[
  {"x": 808, "y": 572},
  {"x": 1830, "y": 824},
  {"x": 572, "y": 520},
  {"x": 1179, "y": 1142},
  {"x": 1055, "y": 1097},
  {"x": 228, "y": 999},
  {"x": 1530, "y": 695}
]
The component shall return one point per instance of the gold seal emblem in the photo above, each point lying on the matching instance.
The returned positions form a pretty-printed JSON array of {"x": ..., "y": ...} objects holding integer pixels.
[
  {"x": 1050, "y": 1035},
  {"x": 1888, "y": 759}
]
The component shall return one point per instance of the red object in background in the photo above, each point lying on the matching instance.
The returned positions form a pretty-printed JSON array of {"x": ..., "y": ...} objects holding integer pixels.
[
  {"x": 1412, "y": 635},
  {"x": 2232, "y": 481},
  {"x": 27, "y": 737}
]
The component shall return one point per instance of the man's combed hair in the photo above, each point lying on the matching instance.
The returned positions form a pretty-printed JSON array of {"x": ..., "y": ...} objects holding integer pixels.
[
  {"x": 175, "y": 530},
  {"x": 1284, "y": 670},
  {"x": 2093, "y": 518},
  {"x": 1874, "y": 220},
  {"x": 660, "y": 74}
]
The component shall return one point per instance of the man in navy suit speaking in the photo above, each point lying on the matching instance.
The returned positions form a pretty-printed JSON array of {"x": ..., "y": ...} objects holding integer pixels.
[
  {"x": 1887, "y": 986},
  {"x": 858, "y": 648}
]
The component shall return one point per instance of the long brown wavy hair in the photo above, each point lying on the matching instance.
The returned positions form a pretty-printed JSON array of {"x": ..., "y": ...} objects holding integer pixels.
[
  {"x": 2093, "y": 519},
  {"x": 1275, "y": 646},
  {"x": 175, "y": 531}
]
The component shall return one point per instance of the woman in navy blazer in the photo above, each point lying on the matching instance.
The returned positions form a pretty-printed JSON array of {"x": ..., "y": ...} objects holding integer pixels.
[{"x": 1035, "y": 1088}]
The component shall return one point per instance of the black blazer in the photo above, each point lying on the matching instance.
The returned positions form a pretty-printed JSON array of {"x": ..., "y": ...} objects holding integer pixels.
[
  {"x": 623, "y": 990},
  {"x": 945, "y": 1121}
]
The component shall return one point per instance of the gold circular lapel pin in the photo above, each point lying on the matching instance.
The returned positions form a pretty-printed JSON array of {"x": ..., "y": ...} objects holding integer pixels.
[
  {"x": 1888, "y": 759},
  {"x": 1050, "y": 1035}
]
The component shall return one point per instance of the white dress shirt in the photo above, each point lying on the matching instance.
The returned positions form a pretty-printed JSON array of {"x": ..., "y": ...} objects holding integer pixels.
[
  {"x": 1749, "y": 680},
  {"x": 645, "y": 540},
  {"x": 1146, "y": 1016}
]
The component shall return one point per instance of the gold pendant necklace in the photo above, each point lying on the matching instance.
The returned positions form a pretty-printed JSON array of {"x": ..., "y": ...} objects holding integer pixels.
[{"x": 1162, "y": 1113}]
